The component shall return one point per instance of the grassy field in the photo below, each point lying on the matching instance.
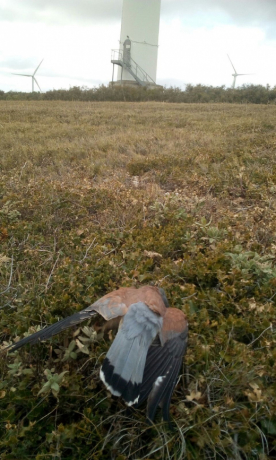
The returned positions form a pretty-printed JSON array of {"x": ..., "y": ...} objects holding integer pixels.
[{"x": 99, "y": 195}]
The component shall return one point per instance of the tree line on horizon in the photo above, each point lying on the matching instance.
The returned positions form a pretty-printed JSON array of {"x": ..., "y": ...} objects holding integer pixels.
[{"x": 255, "y": 94}]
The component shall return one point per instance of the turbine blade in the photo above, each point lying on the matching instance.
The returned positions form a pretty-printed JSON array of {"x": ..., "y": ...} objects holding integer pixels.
[
  {"x": 232, "y": 63},
  {"x": 37, "y": 84},
  {"x": 38, "y": 67},
  {"x": 21, "y": 74}
]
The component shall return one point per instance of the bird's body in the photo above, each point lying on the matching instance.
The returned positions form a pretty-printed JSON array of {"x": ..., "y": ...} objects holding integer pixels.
[{"x": 145, "y": 357}]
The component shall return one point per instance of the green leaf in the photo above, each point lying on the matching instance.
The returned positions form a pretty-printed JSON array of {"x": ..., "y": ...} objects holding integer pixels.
[{"x": 55, "y": 386}]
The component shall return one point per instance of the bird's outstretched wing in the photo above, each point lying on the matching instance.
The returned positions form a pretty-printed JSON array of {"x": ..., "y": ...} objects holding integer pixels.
[
  {"x": 52, "y": 330},
  {"x": 164, "y": 360},
  {"x": 109, "y": 307},
  {"x": 112, "y": 305},
  {"x": 123, "y": 367}
]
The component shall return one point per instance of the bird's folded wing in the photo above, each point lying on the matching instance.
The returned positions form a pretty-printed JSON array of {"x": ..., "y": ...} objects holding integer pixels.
[
  {"x": 163, "y": 365},
  {"x": 162, "y": 391}
]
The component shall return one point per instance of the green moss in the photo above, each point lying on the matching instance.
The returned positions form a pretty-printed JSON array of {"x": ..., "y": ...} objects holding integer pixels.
[{"x": 190, "y": 209}]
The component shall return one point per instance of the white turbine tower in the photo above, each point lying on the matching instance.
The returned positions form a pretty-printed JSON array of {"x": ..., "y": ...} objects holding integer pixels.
[
  {"x": 236, "y": 74},
  {"x": 34, "y": 80},
  {"x": 137, "y": 57}
]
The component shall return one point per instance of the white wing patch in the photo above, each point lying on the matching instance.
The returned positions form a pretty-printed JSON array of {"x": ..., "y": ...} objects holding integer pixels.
[
  {"x": 109, "y": 387},
  {"x": 159, "y": 380},
  {"x": 130, "y": 403}
]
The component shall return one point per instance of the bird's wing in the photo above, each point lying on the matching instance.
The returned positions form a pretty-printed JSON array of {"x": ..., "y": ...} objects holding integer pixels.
[
  {"x": 163, "y": 363},
  {"x": 123, "y": 368},
  {"x": 110, "y": 306}
]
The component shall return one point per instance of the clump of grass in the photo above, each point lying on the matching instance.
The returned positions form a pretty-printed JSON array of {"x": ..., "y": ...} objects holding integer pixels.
[{"x": 95, "y": 196}]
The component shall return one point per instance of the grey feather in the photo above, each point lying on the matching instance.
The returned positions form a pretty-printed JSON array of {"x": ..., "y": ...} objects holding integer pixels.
[{"x": 125, "y": 361}]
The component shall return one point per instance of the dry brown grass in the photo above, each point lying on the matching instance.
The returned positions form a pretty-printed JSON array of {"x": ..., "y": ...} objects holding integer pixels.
[{"x": 88, "y": 191}]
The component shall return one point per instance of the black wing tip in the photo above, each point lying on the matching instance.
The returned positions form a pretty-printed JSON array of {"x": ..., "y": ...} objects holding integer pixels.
[
  {"x": 53, "y": 329},
  {"x": 29, "y": 339},
  {"x": 165, "y": 406},
  {"x": 118, "y": 386},
  {"x": 162, "y": 391}
]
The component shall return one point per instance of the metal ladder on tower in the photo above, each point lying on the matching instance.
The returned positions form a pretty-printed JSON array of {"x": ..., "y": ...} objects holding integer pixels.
[{"x": 139, "y": 74}]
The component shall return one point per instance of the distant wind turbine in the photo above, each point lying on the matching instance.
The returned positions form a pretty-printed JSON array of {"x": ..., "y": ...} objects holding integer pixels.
[
  {"x": 236, "y": 74},
  {"x": 34, "y": 80}
]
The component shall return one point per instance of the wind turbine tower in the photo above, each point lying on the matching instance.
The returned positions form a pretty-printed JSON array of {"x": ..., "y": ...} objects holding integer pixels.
[
  {"x": 137, "y": 57},
  {"x": 235, "y": 75},
  {"x": 34, "y": 80}
]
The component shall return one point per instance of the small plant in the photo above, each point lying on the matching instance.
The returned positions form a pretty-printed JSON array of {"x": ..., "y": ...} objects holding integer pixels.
[
  {"x": 8, "y": 214},
  {"x": 214, "y": 234},
  {"x": 68, "y": 353},
  {"x": 251, "y": 262},
  {"x": 84, "y": 341},
  {"x": 53, "y": 383}
]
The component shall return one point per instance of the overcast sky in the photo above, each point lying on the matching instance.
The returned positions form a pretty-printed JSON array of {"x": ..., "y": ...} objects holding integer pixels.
[{"x": 75, "y": 38}]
